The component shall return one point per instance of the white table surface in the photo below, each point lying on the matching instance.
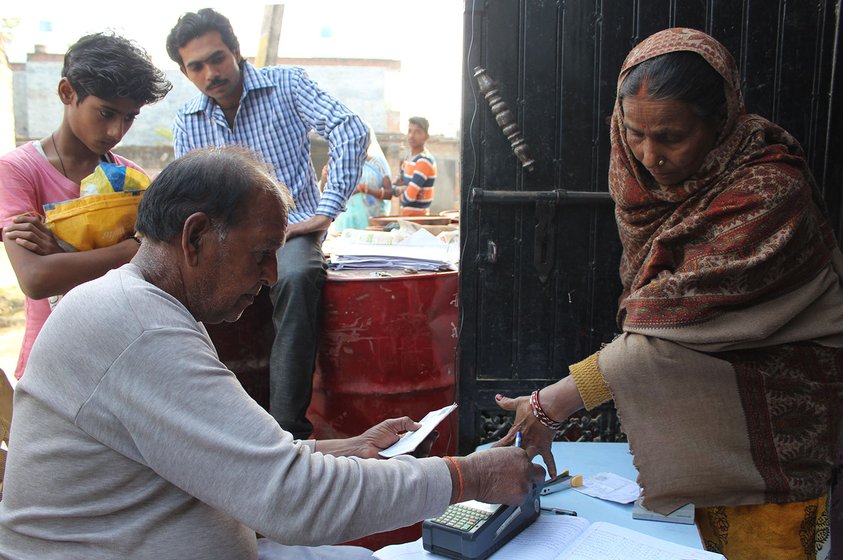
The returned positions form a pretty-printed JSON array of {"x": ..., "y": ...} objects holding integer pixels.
[
  {"x": 585, "y": 459},
  {"x": 589, "y": 458}
]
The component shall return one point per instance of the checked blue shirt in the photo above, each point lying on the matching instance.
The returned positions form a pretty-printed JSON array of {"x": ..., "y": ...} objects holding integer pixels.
[{"x": 280, "y": 105}]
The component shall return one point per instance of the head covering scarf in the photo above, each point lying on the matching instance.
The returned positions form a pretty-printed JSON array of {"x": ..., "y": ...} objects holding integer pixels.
[{"x": 686, "y": 258}]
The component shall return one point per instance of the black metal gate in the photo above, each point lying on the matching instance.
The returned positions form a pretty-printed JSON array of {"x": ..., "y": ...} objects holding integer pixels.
[{"x": 539, "y": 280}]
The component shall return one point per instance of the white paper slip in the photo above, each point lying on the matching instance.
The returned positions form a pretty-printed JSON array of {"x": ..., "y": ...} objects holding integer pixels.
[
  {"x": 609, "y": 486},
  {"x": 410, "y": 440}
]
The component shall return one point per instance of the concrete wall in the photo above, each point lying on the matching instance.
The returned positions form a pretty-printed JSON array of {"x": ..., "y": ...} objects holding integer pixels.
[
  {"x": 361, "y": 84},
  {"x": 364, "y": 85},
  {"x": 20, "y": 106},
  {"x": 7, "y": 115},
  {"x": 445, "y": 150}
]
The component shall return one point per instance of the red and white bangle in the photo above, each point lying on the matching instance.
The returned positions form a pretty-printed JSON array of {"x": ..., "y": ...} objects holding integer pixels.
[{"x": 540, "y": 414}]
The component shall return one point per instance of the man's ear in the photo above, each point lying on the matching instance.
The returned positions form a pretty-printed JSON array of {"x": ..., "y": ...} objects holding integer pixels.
[
  {"x": 66, "y": 92},
  {"x": 194, "y": 236},
  {"x": 184, "y": 71}
]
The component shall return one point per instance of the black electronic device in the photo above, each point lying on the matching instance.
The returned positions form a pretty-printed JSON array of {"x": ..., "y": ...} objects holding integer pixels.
[
  {"x": 474, "y": 530},
  {"x": 560, "y": 482}
]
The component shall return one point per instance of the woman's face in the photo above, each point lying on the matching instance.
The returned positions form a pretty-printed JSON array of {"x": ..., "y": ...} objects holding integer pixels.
[{"x": 666, "y": 131}]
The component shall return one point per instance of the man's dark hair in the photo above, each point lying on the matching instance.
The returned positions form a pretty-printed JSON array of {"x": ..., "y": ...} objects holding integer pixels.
[
  {"x": 681, "y": 76},
  {"x": 192, "y": 25},
  {"x": 111, "y": 67},
  {"x": 220, "y": 182},
  {"x": 420, "y": 122}
]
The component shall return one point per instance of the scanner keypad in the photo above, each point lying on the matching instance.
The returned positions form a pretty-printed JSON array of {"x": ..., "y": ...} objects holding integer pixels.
[{"x": 461, "y": 517}]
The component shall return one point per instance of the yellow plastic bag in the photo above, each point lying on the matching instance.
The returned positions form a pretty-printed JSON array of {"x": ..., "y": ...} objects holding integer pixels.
[{"x": 99, "y": 220}]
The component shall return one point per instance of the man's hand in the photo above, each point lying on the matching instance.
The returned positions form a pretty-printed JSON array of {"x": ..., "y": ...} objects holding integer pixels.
[
  {"x": 382, "y": 435},
  {"x": 318, "y": 222},
  {"x": 30, "y": 233},
  {"x": 368, "y": 444},
  {"x": 499, "y": 476}
]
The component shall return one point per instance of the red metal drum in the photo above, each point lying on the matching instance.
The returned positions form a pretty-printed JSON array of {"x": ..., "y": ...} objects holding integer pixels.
[{"x": 387, "y": 349}]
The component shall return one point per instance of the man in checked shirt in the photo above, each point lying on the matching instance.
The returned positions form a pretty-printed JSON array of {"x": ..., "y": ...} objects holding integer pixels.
[{"x": 271, "y": 110}]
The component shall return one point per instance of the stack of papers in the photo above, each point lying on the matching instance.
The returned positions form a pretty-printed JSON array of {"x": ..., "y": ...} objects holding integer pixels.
[{"x": 421, "y": 251}]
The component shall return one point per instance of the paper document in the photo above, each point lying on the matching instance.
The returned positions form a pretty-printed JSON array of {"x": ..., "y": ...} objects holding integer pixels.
[
  {"x": 410, "y": 440},
  {"x": 604, "y": 541},
  {"x": 342, "y": 262},
  {"x": 420, "y": 251},
  {"x": 407, "y": 551},
  {"x": 609, "y": 486},
  {"x": 562, "y": 537}
]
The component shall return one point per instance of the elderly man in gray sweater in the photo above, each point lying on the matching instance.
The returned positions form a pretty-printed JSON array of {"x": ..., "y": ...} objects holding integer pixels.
[{"x": 130, "y": 439}]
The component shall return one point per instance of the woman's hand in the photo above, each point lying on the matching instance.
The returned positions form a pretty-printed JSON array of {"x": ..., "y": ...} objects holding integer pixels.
[
  {"x": 30, "y": 233},
  {"x": 386, "y": 188},
  {"x": 536, "y": 438}
]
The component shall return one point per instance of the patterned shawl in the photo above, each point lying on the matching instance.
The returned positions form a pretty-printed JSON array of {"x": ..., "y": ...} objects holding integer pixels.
[
  {"x": 741, "y": 230},
  {"x": 729, "y": 374}
]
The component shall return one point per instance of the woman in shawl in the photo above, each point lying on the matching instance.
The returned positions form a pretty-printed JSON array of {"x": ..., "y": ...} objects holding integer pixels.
[
  {"x": 373, "y": 192},
  {"x": 731, "y": 311}
]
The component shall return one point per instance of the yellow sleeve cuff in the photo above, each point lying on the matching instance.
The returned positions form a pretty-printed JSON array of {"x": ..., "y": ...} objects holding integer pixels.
[{"x": 590, "y": 382}]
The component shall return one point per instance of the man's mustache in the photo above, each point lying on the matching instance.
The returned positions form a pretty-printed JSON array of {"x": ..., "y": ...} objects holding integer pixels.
[{"x": 215, "y": 83}]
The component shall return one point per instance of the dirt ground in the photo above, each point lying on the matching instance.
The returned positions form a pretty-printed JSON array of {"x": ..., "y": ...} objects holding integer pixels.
[{"x": 11, "y": 316}]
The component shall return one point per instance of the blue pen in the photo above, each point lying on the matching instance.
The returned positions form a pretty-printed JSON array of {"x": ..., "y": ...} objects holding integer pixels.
[{"x": 517, "y": 439}]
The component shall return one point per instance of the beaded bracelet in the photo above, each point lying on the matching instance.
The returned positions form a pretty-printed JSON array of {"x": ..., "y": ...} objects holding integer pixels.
[
  {"x": 459, "y": 476},
  {"x": 540, "y": 414}
]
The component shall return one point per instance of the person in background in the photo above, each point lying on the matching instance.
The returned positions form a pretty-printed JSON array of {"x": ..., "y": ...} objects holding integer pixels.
[
  {"x": 105, "y": 81},
  {"x": 271, "y": 111},
  {"x": 728, "y": 374},
  {"x": 131, "y": 439},
  {"x": 414, "y": 184},
  {"x": 373, "y": 191}
]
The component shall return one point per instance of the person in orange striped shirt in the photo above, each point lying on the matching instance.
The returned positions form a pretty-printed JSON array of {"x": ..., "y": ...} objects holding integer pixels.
[{"x": 414, "y": 184}]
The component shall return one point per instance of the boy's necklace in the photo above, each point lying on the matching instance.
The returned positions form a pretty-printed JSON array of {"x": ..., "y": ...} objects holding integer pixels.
[{"x": 56, "y": 149}]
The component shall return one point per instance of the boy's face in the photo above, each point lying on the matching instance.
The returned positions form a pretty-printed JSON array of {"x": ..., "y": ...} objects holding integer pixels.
[
  {"x": 416, "y": 136},
  {"x": 99, "y": 124},
  {"x": 213, "y": 68}
]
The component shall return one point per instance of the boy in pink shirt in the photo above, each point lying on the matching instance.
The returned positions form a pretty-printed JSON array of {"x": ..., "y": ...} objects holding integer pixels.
[{"x": 105, "y": 81}]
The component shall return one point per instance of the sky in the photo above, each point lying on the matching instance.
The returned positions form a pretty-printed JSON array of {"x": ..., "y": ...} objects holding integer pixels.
[{"x": 425, "y": 36}]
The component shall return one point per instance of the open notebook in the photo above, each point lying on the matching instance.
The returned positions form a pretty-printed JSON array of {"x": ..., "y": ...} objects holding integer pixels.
[{"x": 562, "y": 537}]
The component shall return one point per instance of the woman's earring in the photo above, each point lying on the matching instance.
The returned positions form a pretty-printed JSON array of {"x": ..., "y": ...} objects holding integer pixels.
[{"x": 661, "y": 163}]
